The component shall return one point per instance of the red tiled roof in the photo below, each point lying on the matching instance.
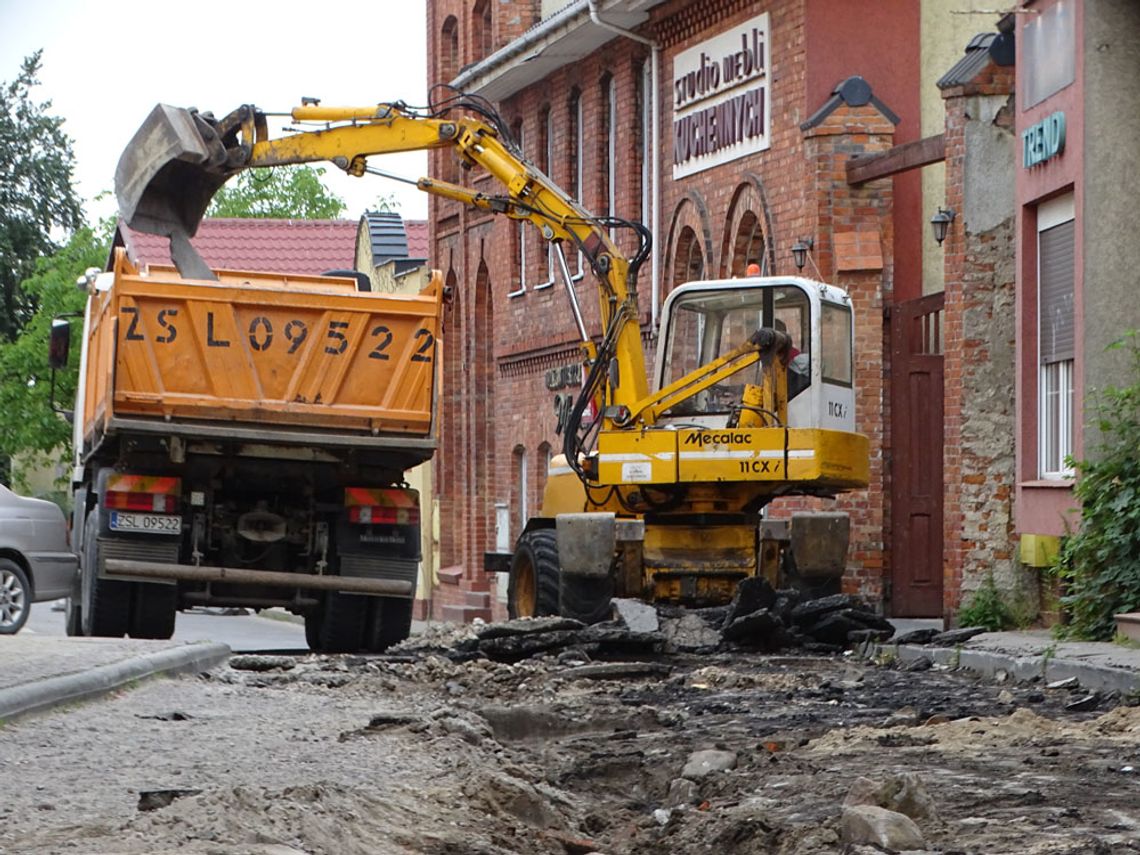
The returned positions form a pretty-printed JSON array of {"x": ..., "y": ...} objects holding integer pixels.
[
  {"x": 272, "y": 246},
  {"x": 417, "y": 231}
]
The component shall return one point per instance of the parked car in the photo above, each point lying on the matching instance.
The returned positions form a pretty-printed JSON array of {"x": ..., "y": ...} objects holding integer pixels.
[{"x": 36, "y": 561}]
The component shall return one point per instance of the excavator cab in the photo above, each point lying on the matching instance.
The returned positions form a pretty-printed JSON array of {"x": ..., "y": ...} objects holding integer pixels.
[{"x": 702, "y": 321}]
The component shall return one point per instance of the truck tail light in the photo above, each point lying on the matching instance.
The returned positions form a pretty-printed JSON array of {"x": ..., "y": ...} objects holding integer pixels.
[
  {"x": 382, "y": 506},
  {"x": 146, "y": 493}
]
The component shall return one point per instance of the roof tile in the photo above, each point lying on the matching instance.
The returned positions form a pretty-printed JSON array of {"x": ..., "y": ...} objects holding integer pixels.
[{"x": 292, "y": 246}]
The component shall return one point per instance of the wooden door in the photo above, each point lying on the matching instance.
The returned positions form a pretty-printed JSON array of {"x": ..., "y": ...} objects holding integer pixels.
[{"x": 916, "y": 460}]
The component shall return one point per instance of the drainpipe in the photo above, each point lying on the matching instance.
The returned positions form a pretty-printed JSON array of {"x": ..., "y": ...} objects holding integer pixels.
[{"x": 655, "y": 148}]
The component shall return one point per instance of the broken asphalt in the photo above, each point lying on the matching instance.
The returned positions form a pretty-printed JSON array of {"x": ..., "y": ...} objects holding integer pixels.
[{"x": 38, "y": 673}]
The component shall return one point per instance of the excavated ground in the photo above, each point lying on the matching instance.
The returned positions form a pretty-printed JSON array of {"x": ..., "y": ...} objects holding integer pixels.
[{"x": 553, "y": 754}]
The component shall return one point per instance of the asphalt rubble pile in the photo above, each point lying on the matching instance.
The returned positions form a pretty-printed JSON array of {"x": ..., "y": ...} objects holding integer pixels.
[{"x": 758, "y": 618}]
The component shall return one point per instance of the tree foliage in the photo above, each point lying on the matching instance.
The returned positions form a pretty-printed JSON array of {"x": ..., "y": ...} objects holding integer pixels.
[
  {"x": 27, "y": 421},
  {"x": 1100, "y": 563},
  {"x": 36, "y": 194},
  {"x": 284, "y": 193}
]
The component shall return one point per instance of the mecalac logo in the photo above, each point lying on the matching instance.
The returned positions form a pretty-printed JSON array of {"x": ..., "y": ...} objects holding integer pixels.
[{"x": 703, "y": 439}]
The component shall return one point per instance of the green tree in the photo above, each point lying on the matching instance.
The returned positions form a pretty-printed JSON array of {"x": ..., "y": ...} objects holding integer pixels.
[
  {"x": 387, "y": 203},
  {"x": 284, "y": 193},
  {"x": 36, "y": 194},
  {"x": 27, "y": 421},
  {"x": 1100, "y": 562}
]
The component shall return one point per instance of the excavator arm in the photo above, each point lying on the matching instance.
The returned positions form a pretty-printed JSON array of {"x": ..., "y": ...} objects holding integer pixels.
[{"x": 180, "y": 158}]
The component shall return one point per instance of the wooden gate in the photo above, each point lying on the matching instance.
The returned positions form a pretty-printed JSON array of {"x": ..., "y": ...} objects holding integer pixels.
[{"x": 916, "y": 461}]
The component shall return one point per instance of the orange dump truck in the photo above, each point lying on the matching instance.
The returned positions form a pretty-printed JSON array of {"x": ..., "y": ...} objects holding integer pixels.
[{"x": 243, "y": 442}]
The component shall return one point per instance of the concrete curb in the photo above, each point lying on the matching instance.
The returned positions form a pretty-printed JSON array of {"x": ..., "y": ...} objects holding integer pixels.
[
  {"x": 40, "y": 695},
  {"x": 1034, "y": 666}
]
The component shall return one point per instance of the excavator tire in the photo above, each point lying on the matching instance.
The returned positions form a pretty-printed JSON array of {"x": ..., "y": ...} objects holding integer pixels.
[
  {"x": 532, "y": 589},
  {"x": 585, "y": 598}
]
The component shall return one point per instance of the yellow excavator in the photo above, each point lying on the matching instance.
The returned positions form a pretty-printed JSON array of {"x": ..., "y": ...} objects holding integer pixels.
[{"x": 660, "y": 490}]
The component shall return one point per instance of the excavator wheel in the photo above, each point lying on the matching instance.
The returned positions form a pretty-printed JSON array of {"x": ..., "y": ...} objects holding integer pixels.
[
  {"x": 532, "y": 589},
  {"x": 585, "y": 598}
]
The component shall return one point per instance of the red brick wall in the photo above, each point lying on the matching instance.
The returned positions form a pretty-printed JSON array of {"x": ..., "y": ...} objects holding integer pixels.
[
  {"x": 797, "y": 188},
  {"x": 840, "y": 43},
  {"x": 854, "y": 242}
]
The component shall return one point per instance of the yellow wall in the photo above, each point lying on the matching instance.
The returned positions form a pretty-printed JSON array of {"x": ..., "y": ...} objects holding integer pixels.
[
  {"x": 384, "y": 280},
  {"x": 946, "y": 28}
]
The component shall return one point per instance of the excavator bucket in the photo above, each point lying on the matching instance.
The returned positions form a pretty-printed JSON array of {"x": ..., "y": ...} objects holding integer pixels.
[{"x": 169, "y": 172}]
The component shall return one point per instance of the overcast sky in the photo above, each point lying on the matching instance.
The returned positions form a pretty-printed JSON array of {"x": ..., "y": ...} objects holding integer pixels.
[{"x": 106, "y": 64}]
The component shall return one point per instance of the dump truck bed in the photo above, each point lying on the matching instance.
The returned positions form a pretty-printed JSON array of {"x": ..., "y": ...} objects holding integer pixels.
[{"x": 261, "y": 356}]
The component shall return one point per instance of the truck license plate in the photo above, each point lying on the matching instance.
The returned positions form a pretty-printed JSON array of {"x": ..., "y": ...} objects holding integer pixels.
[{"x": 150, "y": 523}]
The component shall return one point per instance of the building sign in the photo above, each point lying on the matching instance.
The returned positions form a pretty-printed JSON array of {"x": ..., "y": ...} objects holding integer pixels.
[
  {"x": 721, "y": 98},
  {"x": 1044, "y": 140}
]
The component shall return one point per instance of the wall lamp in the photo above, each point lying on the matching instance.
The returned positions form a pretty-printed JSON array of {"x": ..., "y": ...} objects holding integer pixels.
[
  {"x": 800, "y": 250},
  {"x": 940, "y": 223}
]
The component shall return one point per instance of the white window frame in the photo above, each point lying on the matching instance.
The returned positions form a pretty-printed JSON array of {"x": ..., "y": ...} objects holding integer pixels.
[
  {"x": 646, "y": 138},
  {"x": 549, "y": 132},
  {"x": 579, "y": 178},
  {"x": 611, "y": 154},
  {"x": 524, "y": 499},
  {"x": 1055, "y": 380},
  {"x": 521, "y": 226}
]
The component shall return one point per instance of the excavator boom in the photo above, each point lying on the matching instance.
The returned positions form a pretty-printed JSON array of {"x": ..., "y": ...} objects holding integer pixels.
[{"x": 179, "y": 159}]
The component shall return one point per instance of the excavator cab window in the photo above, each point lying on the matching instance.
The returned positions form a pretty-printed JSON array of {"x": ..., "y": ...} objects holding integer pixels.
[
  {"x": 708, "y": 323},
  {"x": 836, "y": 353}
]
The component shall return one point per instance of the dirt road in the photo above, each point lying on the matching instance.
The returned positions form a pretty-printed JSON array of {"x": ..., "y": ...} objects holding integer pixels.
[{"x": 740, "y": 753}]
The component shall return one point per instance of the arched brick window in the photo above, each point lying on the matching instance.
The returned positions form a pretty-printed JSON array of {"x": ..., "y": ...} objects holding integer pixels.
[
  {"x": 520, "y": 500},
  {"x": 748, "y": 247},
  {"x": 444, "y": 161},
  {"x": 481, "y": 39},
  {"x": 689, "y": 261},
  {"x": 747, "y": 235},
  {"x": 542, "y": 465},
  {"x": 575, "y": 167},
  {"x": 449, "y": 49},
  {"x": 482, "y": 370},
  {"x": 608, "y": 172},
  {"x": 449, "y": 468},
  {"x": 545, "y": 156},
  {"x": 519, "y": 231}
]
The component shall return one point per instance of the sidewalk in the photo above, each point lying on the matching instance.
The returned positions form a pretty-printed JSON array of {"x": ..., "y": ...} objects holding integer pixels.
[
  {"x": 38, "y": 672},
  {"x": 1097, "y": 665}
]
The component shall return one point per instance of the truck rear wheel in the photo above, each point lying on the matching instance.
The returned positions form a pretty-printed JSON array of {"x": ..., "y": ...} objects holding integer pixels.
[
  {"x": 153, "y": 610},
  {"x": 314, "y": 620},
  {"x": 532, "y": 587},
  {"x": 343, "y": 623},
  {"x": 106, "y": 609},
  {"x": 390, "y": 622}
]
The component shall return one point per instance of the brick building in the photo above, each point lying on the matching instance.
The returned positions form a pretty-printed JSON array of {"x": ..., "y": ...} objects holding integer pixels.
[{"x": 604, "y": 98}]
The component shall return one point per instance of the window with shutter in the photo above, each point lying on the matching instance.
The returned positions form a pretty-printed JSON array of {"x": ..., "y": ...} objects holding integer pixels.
[{"x": 1056, "y": 272}]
